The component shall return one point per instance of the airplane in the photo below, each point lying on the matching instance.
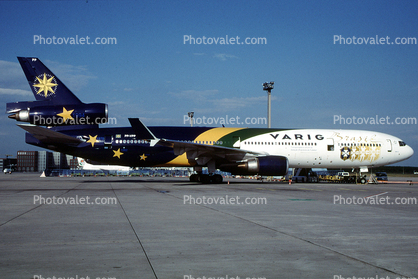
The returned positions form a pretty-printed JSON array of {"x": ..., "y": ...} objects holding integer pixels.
[
  {"x": 86, "y": 166},
  {"x": 59, "y": 121}
]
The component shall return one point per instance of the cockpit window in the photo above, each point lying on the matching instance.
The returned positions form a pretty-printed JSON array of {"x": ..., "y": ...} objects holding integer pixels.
[{"x": 402, "y": 143}]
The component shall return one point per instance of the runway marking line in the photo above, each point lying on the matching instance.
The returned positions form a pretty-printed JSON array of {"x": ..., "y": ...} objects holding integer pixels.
[
  {"x": 310, "y": 189},
  {"x": 376, "y": 195}
]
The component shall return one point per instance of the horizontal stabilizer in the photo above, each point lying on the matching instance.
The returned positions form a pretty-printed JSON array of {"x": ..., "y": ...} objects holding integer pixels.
[{"x": 48, "y": 136}]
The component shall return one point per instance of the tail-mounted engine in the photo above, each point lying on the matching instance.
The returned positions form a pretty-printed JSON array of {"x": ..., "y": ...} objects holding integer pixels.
[{"x": 49, "y": 115}]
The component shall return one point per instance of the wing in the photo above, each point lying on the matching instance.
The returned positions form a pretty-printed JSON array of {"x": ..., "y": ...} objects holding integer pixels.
[{"x": 203, "y": 154}]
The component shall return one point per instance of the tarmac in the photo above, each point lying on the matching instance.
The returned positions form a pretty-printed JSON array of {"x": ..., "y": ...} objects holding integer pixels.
[{"x": 141, "y": 227}]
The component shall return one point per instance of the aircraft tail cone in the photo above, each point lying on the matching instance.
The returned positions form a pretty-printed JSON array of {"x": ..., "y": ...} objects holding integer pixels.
[{"x": 13, "y": 116}]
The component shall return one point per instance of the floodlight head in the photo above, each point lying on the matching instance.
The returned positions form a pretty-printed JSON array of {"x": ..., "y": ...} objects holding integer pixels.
[
  {"x": 268, "y": 85},
  {"x": 191, "y": 114}
]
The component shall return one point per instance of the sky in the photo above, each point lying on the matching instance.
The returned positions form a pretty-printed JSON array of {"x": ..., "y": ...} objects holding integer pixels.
[{"x": 322, "y": 55}]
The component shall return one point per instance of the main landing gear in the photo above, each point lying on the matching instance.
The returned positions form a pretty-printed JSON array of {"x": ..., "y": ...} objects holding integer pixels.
[{"x": 206, "y": 178}]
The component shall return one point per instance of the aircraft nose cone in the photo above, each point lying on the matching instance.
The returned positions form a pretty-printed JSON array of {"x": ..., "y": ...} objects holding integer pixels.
[{"x": 409, "y": 152}]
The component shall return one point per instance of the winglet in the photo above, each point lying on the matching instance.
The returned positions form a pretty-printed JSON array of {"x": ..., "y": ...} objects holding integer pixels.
[{"x": 142, "y": 131}]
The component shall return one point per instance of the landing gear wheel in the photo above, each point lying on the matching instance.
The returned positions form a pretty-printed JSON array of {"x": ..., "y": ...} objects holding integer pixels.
[
  {"x": 205, "y": 178},
  {"x": 217, "y": 179},
  {"x": 194, "y": 177}
]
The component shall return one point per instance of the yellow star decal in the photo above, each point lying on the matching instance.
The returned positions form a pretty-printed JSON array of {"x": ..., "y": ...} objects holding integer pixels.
[
  {"x": 45, "y": 85},
  {"x": 92, "y": 140},
  {"x": 66, "y": 114},
  {"x": 117, "y": 153},
  {"x": 143, "y": 157}
]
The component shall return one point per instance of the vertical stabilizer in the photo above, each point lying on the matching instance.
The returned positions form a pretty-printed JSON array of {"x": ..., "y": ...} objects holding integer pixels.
[{"x": 45, "y": 85}]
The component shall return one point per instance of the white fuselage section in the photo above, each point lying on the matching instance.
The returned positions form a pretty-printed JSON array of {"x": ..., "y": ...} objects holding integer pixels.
[
  {"x": 86, "y": 166},
  {"x": 315, "y": 148}
]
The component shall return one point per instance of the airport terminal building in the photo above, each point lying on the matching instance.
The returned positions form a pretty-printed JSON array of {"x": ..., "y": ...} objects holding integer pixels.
[{"x": 38, "y": 161}]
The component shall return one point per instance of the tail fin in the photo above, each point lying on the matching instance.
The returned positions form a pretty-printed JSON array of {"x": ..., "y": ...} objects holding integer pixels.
[
  {"x": 81, "y": 162},
  {"x": 44, "y": 84}
]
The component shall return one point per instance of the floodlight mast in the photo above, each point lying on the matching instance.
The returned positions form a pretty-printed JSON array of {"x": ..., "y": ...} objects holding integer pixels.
[
  {"x": 191, "y": 114},
  {"x": 268, "y": 86}
]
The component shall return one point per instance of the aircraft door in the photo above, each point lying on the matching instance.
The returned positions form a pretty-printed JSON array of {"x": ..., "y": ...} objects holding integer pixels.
[
  {"x": 237, "y": 141},
  {"x": 108, "y": 140},
  {"x": 389, "y": 143},
  {"x": 330, "y": 144}
]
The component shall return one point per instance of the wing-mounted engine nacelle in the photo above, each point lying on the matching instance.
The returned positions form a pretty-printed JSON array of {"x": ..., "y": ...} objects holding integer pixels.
[
  {"x": 263, "y": 165},
  {"x": 81, "y": 114}
]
